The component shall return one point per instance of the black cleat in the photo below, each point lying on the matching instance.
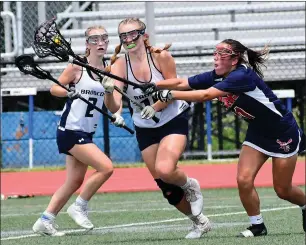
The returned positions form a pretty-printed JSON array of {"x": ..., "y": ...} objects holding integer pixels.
[
  {"x": 304, "y": 219},
  {"x": 254, "y": 230}
]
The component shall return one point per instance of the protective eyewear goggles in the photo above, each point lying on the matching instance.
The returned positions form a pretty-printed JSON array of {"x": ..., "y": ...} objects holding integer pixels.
[
  {"x": 133, "y": 35},
  {"x": 95, "y": 39},
  {"x": 224, "y": 53}
]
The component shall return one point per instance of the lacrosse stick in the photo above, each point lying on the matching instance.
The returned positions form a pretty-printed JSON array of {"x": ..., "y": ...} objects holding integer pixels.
[
  {"x": 27, "y": 65},
  {"x": 49, "y": 41}
]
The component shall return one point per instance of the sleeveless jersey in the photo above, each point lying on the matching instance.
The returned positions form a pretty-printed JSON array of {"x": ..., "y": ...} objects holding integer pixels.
[
  {"x": 79, "y": 116},
  {"x": 171, "y": 111}
]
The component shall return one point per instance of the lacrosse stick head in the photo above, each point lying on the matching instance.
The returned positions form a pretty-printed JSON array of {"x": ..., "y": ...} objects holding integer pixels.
[
  {"x": 27, "y": 65},
  {"x": 48, "y": 41}
]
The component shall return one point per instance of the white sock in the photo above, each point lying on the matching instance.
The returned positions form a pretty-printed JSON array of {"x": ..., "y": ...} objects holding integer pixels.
[
  {"x": 200, "y": 218},
  {"x": 303, "y": 207},
  {"x": 184, "y": 187},
  {"x": 81, "y": 202},
  {"x": 256, "y": 220},
  {"x": 48, "y": 216}
]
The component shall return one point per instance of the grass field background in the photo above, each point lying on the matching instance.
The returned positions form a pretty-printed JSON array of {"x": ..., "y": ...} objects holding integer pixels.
[{"x": 146, "y": 218}]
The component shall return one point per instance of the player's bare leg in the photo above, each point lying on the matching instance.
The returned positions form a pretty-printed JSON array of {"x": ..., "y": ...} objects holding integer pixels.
[
  {"x": 75, "y": 172},
  {"x": 91, "y": 155},
  {"x": 283, "y": 170},
  {"x": 169, "y": 151},
  {"x": 164, "y": 167},
  {"x": 183, "y": 205},
  {"x": 250, "y": 161}
]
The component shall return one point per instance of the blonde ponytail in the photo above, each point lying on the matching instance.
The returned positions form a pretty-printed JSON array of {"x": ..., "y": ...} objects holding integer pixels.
[
  {"x": 155, "y": 50},
  {"x": 114, "y": 58}
]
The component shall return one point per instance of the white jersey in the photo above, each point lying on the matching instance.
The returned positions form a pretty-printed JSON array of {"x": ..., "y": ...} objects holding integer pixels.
[
  {"x": 171, "y": 111},
  {"x": 79, "y": 116}
]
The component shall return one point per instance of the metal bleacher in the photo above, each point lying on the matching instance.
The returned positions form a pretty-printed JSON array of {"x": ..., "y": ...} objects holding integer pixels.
[{"x": 194, "y": 27}]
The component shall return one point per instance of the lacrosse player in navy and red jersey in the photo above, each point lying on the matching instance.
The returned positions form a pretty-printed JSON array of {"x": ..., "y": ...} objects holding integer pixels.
[
  {"x": 237, "y": 82},
  {"x": 74, "y": 135}
]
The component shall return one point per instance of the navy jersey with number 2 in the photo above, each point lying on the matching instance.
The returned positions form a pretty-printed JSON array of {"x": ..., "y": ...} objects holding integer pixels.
[{"x": 272, "y": 128}]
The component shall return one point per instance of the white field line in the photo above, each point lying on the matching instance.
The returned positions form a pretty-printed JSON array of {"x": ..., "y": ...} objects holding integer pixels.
[
  {"x": 207, "y": 201},
  {"x": 155, "y": 228},
  {"x": 147, "y": 223},
  {"x": 157, "y": 202},
  {"x": 122, "y": 210}
]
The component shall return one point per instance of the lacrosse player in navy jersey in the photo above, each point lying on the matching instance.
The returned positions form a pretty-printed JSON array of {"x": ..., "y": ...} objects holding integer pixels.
[
  {"x": 74, "y": 135},
  {"x": 161, "y": 144},
  {"x": 272, "y": 132}
]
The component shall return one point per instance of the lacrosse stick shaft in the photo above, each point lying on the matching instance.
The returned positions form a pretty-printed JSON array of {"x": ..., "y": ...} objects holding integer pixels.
[
  {"x": 95, "y": 70},
  {"x": 154, "y": 118},
  {"x": 93, "y": 106}
]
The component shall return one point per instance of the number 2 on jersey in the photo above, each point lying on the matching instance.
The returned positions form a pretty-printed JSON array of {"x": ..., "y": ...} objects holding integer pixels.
[{"x": 89, "y": 107}]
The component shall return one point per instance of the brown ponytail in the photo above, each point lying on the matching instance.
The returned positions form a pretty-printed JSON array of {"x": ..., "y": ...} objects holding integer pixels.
[{"x": 256, "y": 59}]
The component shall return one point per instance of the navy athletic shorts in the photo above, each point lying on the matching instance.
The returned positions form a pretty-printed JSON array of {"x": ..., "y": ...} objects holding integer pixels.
[
  {"x": 68, "y": 138},
  {"x": 150, "y": 136},
  {"x": 284, "y": 145}
]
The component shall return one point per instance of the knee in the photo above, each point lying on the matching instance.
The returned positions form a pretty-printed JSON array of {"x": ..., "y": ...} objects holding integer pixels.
[
  {"x": 108, "y": 170},
  {"x": 282, "y": 192},
  {"x": 245, "y": 181},
  {"x": 164, "y": 171},
  {"x": 105, "y": 168}
]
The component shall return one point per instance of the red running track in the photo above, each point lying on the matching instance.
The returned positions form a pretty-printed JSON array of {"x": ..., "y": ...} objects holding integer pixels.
[{"x": 137, "y": 179}]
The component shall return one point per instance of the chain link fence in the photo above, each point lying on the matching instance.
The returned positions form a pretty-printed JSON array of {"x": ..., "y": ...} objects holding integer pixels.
[
  {"x": 19, "y": 151},
  {"x": 192, "y": 28}
]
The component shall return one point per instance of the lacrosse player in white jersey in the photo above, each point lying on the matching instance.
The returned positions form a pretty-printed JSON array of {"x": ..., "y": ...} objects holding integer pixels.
[
  {"x": 74, "y": 135},
  {"x": 161, "y": 143}
]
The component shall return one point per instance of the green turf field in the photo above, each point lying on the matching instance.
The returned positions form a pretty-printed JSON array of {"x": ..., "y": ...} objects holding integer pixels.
[{"x": 145, "y": 218}]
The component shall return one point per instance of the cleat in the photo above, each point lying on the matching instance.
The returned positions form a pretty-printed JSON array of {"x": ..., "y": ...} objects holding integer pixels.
[
  {"x": 194, "y": 197},
  {"x": 80, "y": 216},
  {"x": 254, "y": 230},
  {"x": 46, "y": 227},
  {"x": 198, "y": 229},
  {"x": 304, "y": 219}
]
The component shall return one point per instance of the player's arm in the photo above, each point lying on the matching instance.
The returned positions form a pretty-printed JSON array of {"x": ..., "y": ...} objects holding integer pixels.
[
  {"x": 168, "y": 69},
  {"x": 174, "y": 83},
  {"x": 114, "y": 102},
  {"x": 198, "y": 95},
  {"x": 67, "y": 76},
  {"x": 200, "y": 81},
  {"x": 237, "y": 82}
]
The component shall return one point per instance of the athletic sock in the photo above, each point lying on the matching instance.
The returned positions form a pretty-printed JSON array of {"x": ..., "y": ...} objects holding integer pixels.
[
  {"x": 187, "y": 184},
  {"x": 200, "y": 218},
  {"x": 48, "y": 216},
  {"x": 256, "y": 220},
  {"x": 81, "y": 202}
]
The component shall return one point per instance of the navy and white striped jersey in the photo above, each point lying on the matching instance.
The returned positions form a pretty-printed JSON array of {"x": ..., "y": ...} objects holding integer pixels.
[
  {"x": 249, "y": 98},
  {"x": 79, "y": 116}
]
